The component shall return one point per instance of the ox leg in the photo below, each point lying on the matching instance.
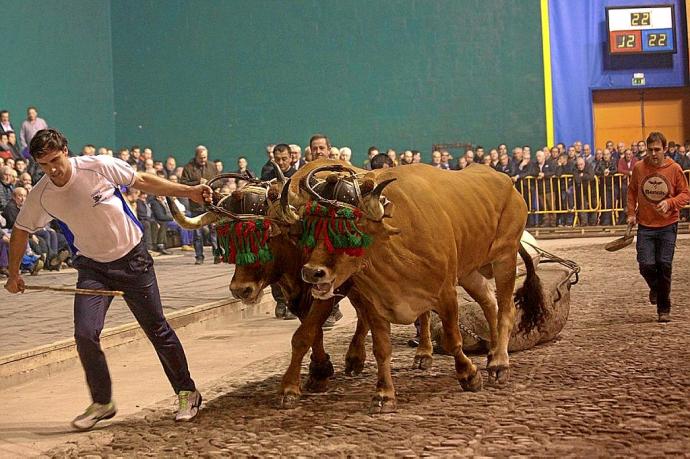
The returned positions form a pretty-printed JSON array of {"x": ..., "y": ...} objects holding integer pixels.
[
  {"x": 498, "y": 362},
  {"x": 356, "y": 353},
  {"x": 478, "y": 288},
  {"x": 320, "y": 367},
  {"x": 302, "y": 340},
  {"x": 423, "y": 358},
  {"x": 469, "y": 378},
  {"x": 384, "y": 400}
]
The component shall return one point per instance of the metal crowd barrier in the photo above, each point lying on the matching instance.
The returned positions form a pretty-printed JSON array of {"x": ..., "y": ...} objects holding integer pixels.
[{"x": 562, "y": 201}]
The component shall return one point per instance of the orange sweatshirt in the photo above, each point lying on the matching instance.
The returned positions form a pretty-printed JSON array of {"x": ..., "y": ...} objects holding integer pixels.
[{"x": 649, "y": 185}]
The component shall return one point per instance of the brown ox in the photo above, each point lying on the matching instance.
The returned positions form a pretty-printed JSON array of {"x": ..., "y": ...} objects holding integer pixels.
[
  {"x": 440, "y": 229},
  {"x": 249, "y": 282}
]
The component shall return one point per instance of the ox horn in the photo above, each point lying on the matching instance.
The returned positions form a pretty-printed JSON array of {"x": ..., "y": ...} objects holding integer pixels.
[
  {"x": 287, "y": 214},
  {"x": 279, "y": 173},
  {"x": 371, "y": 203},
  {"x": 190, "y": 223}
]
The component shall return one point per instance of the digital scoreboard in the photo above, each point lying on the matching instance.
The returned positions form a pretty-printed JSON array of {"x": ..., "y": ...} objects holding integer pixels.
[{"x": 641, "y": 30}]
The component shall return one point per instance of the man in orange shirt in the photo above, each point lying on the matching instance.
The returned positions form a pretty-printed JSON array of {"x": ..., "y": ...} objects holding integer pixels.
[{"x": 656, "y": 193}]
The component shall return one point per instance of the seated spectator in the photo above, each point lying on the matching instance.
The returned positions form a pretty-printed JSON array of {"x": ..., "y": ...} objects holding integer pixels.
[
  {"x": 479, "y": 155},
  {"x": 170, "y": 166},
  {"x": 345, "y": 155},
  {"x": 14, "y": 145},
  {"x": 5, "y": 124},
  {"x": 505, "y": 165},
  {"x": 281, "y": 157},
  {"x": 436, "y": 159},
  {"x": 163, "y": 217},
  {"x": 334, "y": 153},
  {"x": 186, "y": 236},
  {"x": 494, "y": 159},
  {"x": 123, "y": 154},
  {"x": 5, "y": 149},
  {"x": 393, "y": 156},
  {"x": 219, "y": 166},
  {"x": 445, "y": 160},
  {"x": 20, "y": 166},
  {"x": 462, "y": 163},
  {"x": 406, "y": 158},
  {"x": 371, "y": 152},
  {"x": 416, "y": 157},
  {"x": 154, "y": 238},
  {"x": 6, "y": 186},
  {"x": 102, "y": 151},
  {"x": 4, "y": 252},
  {"x": 296, "y": 156},
  {"x": 243, "y": 167},
  {"x": 469, "y": 157},
  {"x": 88, "y": 150},
  {"x": 381, "y": 161}
]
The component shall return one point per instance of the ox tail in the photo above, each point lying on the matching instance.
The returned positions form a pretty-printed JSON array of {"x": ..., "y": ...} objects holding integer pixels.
[{"x": 530, "y": 297}]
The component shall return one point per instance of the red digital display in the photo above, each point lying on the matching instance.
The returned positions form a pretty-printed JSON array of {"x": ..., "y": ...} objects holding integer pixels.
[{"x": 625, "y": 41}]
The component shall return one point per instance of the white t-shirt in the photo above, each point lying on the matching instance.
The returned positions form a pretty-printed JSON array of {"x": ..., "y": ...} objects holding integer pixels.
[{"x": 90, "y": 208}]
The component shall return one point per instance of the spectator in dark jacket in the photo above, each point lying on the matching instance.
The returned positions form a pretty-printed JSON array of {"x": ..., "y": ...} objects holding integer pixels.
[
  {"x": 609, "y": 186},
  {"x": 583, "y": 177},
  {"x": 199, "y": 171},
  {"x": 564, "y": 172},
  {"x": 162, "y": 216}
]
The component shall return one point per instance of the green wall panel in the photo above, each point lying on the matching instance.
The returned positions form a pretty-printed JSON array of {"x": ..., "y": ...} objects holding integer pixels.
[
  {"x": 57, "y": 56},
  {"x": 236, "y": 75}
]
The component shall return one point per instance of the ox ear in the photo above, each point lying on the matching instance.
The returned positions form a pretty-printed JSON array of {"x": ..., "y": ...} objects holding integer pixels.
[{"x": 371, "y": 204}]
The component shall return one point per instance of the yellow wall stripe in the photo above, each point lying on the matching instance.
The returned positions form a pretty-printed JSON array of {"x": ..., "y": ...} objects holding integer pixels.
[{"x": 548, "y": 91}]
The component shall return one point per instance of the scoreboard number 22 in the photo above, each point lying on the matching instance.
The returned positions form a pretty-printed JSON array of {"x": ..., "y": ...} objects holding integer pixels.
[{"x": 640, "y": 19}]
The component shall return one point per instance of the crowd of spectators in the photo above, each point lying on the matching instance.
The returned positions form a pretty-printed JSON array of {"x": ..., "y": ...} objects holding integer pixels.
[{"x": 576, "y": 181}]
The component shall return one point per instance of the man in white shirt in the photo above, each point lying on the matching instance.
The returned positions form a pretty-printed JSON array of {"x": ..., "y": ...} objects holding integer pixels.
[{"x": 83, "y": 195}]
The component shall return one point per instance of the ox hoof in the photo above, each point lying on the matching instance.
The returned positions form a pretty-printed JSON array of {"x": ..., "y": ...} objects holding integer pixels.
[
  {"x": 381, "y": 404},
  {"x": 473, "y": 384},
  {"x": 422, "y": 362},
  {"x": 498, "y": 374},
  {"x": 353, "y": 366},
  {"x": 315, "y": 385},
  {"x": 289, "y": 401}
]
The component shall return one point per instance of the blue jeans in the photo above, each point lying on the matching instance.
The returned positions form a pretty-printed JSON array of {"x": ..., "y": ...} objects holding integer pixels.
[
  {"x": 655, "y": 249},
  {"x": 199, "y": 238},
  {"x": 134, "y": 275}
]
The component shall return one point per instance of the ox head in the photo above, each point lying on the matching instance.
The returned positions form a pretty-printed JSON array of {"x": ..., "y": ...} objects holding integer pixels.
[
  {"x": 341, "y": 215},
  {"x": 248, "y": 235}
]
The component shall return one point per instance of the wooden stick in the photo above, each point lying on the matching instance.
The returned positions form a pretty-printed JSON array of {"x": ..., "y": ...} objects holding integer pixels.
[{"x": 76, "y": 291}]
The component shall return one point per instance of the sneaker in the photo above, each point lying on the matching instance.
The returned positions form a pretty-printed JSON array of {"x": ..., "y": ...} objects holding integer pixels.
[
  {"x": 288, "y": 315},
  {"x": 199, "y": 261},
  {"x": 652, "y": 296},
  {"x": 217, "y": 259},
  {"x": 187, "y": 248},
  {"x": 189, "y": 405},
  {"x": 37, "y": 266},
  {"x": 413, "y": 342},
  {"x": 335, "y": 316},
  {"x": 94, "y": 413},
  {"x": 161, "y": 249},
  {"x": 664, "y": 317},
  {"x": 280, "y": 310}
]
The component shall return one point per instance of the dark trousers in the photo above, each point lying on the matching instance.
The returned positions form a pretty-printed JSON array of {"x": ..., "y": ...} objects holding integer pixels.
[
  {"x": 134, "y": 275},
  {"x": 655, "y": 249}
]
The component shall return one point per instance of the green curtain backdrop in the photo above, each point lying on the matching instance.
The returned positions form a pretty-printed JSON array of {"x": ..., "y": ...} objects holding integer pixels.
[
  {"x": 236, "y": 75},
  {"x": 57, "y": 56}
]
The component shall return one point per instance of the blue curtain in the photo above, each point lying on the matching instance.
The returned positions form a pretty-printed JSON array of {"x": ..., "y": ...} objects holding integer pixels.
[{"x": 580, "y": 62}]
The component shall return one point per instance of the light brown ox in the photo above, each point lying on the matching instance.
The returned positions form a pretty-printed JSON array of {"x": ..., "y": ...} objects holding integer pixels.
[
  {"x": 439, "y": 230},
  {"x": 249, "y": 281}
]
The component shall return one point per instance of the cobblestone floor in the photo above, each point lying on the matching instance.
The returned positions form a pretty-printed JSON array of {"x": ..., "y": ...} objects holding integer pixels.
[{"x": 616, "y": 383}]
